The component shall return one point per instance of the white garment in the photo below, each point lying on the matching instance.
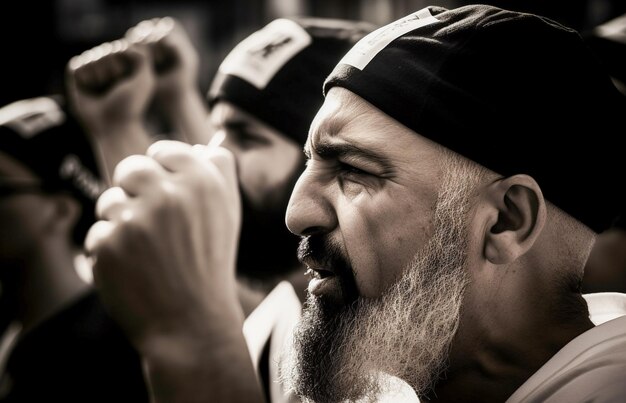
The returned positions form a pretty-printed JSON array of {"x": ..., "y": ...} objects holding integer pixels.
[
  {"x": 605, "y": 306},
  {"x": 276, "y": 316},
  {"x": 590, "y": 368}
]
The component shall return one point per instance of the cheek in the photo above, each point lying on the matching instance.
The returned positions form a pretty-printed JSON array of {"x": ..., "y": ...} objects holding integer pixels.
[
  {"x": 382, "y": 235},
  {"x": 264, "y": 172},
  {"x": 253, "y": 174}
]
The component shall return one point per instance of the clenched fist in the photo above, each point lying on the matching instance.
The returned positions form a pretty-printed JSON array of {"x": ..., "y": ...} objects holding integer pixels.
[
  {"x": 175, "y": 64},
  {"x": 165, "y": 247},
  {"x": 164, "y": 264},
  {"x": 111, "y": 85},
  {"x": 175, "y": 59}
]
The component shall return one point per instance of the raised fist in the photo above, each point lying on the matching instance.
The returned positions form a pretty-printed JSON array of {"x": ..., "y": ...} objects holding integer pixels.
[{"x": 164, "y": 252}]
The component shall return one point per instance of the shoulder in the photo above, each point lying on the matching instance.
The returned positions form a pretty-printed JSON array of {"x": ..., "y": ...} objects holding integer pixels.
[
  {"x": 591, "y": 367},
  {"x": 598, "y": 380},
  {"x": 267, "y": 329}
]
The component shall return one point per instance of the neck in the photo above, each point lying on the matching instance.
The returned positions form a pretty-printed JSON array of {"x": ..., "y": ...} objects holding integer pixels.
[
  {"x": 508, "y": 342},
  {"x": 48, "y": 284}
]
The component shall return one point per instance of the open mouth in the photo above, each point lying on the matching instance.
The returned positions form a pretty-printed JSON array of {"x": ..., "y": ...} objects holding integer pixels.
[
  {"x": 319, "y": 273},
  {"x": 325, "y": 283}
]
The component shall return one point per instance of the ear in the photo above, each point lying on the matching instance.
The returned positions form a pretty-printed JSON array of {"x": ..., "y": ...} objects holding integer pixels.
[
  {"x": 64, "y": 214},
  {"x": 516, "y": 214}
]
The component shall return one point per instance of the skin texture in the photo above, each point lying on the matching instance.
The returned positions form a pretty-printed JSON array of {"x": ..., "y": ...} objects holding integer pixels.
[
  {"x": 350, "y": 196},
  {"x": 521, "y": 303},
  {"x": 110, "y": 87},
  {"x": 266, "y": 159},
  {"x": 175, "y": 66},
  {"x": 159, "y": 230},
  {"x": 268, "y": 164},
  {"x": 417, "y": 317},
  {"x": 161, "y": 63}
]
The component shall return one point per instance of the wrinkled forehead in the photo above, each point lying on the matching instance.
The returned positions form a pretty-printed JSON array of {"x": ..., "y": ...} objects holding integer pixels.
[{"x": 346, "y": 117}]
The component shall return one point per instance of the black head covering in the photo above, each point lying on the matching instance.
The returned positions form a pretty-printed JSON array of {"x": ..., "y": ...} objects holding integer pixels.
[
  {"x": 275, "y": 74},
  {"x": 515, "y": 92},
  {"x": 43, "y": 136}
]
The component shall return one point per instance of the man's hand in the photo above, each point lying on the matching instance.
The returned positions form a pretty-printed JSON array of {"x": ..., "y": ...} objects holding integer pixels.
[
  {"x": 110, "y": 88},
  {"x": 164, "y": 264},
  {"x": 165, "y": 248},
  {"x": 111, "y": 85},
  {"x": 174, "y": 57},
  {"x": 176, "y": 65}
]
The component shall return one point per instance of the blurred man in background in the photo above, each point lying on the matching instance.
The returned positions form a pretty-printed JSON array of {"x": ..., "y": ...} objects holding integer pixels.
[{"x": 68, "y": 349}]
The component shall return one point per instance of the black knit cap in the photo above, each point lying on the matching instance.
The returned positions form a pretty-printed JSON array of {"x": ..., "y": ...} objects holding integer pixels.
[
  {"x": 302, "y": 52},
  {"x": 43, "y": 136},
  {"x": 515, "y": 92}
]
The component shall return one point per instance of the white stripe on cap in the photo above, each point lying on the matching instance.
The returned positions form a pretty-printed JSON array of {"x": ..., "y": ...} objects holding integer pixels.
[
  {"x": 367, "y": 48},
  {"x": 32, "y": 116},
  {"x": 257, "y": 58}
]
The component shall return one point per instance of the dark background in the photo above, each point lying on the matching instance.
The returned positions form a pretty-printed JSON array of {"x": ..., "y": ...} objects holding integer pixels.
[{"x": 39, "y": 37}]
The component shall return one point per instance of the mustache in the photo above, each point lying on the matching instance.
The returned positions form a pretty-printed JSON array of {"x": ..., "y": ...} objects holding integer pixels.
[{"x": 319, "y": 251}]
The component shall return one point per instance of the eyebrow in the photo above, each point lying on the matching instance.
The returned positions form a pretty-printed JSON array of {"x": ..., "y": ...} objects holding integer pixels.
[
  {"x": 235, "y": 125},
  {"x": 326, "y": 151},
  {"x": 243, "y": 129}
]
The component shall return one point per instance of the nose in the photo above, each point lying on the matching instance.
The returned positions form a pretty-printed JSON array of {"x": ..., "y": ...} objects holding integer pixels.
[{"x": 310, "y": 211}]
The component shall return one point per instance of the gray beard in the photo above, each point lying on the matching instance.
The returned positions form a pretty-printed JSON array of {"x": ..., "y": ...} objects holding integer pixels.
[{"x": 338, "y": 353}]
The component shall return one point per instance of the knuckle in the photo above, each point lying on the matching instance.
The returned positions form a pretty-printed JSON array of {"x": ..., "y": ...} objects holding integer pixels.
[
  {"x": 75, "y": 63},
  {"x": 134, "y": 168},
  {"x": 109, "y": 197},
  {"x": 98, "y": 237}
]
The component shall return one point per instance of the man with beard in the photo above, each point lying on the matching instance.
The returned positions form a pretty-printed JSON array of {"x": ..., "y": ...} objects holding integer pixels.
[
  {"x": 445, "y": 236},
  {"x": 433, "y": 254}
]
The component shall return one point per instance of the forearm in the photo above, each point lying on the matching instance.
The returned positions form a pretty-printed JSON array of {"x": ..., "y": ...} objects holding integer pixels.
[
  {"x": 188, "y": 115},
  {"x": 213, "y": 367},
  {"x": 118, "y": 142}
]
